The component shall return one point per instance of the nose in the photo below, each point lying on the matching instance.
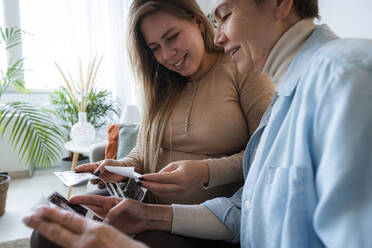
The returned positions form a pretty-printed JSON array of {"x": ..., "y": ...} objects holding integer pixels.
[
  {"x": 220, "y": 37},
  {"x": 167, "y": 52}
]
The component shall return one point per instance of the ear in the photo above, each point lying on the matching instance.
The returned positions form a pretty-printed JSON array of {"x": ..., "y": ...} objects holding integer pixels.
[
  {"x": 199, "y": 21},
  {"x": 283, "y": 9}
]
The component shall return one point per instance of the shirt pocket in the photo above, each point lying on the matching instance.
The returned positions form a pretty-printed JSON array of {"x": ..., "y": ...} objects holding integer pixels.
[{"x": 285, "y": 184}]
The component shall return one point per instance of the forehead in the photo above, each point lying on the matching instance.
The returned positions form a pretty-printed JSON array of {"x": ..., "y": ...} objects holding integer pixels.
[
  {"x": 155, "y": 25},
  {"x": 220, "y": 4}
]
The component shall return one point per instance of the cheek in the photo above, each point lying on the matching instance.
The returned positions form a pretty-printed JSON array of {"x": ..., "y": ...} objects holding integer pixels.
[
  {"x": 197, "y": 48},
  {"x": 158, "y": 57}
]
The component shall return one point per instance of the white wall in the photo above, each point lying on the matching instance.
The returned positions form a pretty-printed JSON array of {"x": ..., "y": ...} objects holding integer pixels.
[
  {"x": 348, "y": 18},
  {"x": 206, "y": 5}
]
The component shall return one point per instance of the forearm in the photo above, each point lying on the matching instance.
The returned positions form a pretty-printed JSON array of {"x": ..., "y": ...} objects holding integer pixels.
[
  {"x": 158, "y": 217},
  {"x": 224, "y": 170},
  {"x": 199, "y": 222}
]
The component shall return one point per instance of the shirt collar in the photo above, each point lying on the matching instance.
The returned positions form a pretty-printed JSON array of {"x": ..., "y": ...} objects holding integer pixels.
[
  {"x": 321, "y": 35},
  {"x": 288, "y": 46}
]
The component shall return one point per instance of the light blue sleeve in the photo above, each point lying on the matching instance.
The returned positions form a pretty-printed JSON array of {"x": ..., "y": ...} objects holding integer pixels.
[
  {"x": 342, "y": 149},
  {"x": 228, "y": 210}
]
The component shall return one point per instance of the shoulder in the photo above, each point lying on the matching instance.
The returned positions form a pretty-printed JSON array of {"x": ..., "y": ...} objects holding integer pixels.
[
  {"x": 346, "y": 53},
  {"x": 341, "y": 62},
  {"x": 340, "y": 70},
  {"x": 241, "y": 81}
]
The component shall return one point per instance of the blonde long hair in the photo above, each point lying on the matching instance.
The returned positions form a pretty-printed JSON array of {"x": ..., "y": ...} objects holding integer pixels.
[{"x": 161, "y": 87}]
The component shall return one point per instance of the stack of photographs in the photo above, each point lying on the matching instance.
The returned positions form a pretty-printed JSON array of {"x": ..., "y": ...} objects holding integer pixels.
[{"x": 129, "y": 190}]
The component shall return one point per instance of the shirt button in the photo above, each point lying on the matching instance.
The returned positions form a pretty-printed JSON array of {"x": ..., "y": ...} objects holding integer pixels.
[{"x": 248, "y": 204}]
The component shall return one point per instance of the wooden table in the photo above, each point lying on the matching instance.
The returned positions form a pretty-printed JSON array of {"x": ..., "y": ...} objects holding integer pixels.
[{"x": 75, "y": 149}]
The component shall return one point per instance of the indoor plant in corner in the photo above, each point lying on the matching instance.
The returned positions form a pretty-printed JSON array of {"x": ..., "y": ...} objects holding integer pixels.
[
  {"x": 78, "y": 105},
  {"x": 32, "y": 131}
]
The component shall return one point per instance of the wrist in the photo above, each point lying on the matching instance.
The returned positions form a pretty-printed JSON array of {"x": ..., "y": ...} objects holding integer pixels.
[
  {"x": 158, "y": 217},
  {"x": 205, "y": 173}
]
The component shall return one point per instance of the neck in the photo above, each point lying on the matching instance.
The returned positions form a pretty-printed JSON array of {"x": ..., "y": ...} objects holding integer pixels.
[
  {"x": 206, "y": 65},
  {"x": 285, "y": 50},
  {"x": 283, "y": 27}
]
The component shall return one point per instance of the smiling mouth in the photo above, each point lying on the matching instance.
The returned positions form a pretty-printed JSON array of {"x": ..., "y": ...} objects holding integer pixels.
[
  {"x": 235, "y": 50},
  {"x": 180, "y": 62}
]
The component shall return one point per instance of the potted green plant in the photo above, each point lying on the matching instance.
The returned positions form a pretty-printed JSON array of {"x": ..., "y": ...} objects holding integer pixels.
[
  {"x": 31, "y": 130},
  {"x": 81, "y": 97},
  {"x": 4, "y": 185}
]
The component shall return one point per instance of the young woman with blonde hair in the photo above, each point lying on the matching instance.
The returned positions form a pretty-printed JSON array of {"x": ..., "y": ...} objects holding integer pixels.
[{"x": 198, "y": 111}]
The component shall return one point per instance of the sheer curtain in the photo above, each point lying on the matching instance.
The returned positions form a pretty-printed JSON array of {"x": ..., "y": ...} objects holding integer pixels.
[
  {"x": 2, "y": 52},
  {"x": 69, "y": 31}
]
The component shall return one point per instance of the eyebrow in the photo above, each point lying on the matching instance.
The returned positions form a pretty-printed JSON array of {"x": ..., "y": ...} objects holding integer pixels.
[
  {"x": 216, "y": 11},
  {"x": 163, "y": 36}
]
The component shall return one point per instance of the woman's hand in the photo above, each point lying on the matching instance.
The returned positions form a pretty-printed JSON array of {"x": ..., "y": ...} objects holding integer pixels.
[
  {"x": 70, "y": 230},
  {"x": 101, "y": 205},
  {"x": 176, "y": 177},
  {"x": 128, "y": 217},
  {"x": 98, "y": 168},
  {"x": 132, "y": 217}
]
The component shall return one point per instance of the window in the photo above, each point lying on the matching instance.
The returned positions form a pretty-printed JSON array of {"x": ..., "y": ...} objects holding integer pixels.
[
  {"x": 2, "y": 52},
  {"x": 47, "y": 40}
]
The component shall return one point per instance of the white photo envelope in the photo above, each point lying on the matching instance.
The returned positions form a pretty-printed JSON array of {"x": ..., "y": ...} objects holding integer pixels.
[{"x": 124, "y": 171}]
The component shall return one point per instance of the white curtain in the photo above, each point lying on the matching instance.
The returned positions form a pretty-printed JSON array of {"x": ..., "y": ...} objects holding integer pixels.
[{"x": 67, "y": 31}]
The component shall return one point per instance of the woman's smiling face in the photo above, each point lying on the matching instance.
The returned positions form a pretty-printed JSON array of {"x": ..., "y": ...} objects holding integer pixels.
[
  {"x": 246, "y": 30},
  {"x": 176, "y": 43}
]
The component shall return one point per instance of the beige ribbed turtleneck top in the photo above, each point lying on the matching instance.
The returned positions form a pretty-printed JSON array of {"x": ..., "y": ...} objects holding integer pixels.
[{"x": 212, "y": 121}]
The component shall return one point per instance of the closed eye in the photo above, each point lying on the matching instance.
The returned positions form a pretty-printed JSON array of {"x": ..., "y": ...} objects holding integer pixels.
[
  {"x": 224, "y": 18},
  {"x": 173, "y": 37},
  {"x": 153, "y": 49}
]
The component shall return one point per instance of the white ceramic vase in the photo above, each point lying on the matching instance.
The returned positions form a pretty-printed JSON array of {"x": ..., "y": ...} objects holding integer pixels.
[{"x": 82, "y": 132}]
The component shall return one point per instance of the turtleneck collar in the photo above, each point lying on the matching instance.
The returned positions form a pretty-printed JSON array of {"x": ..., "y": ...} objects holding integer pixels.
[{"x": 286, "y": 49}]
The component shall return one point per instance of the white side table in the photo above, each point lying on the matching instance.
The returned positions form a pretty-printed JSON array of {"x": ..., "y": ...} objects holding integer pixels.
[{"x": 75, "y": 149}]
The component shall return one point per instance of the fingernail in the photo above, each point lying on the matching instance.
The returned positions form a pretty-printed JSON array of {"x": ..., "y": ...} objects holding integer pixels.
[
  {"x": 97, "y": 172},
  {"x": 141, "y": 179},
  {"x": 139, "y": 184}
]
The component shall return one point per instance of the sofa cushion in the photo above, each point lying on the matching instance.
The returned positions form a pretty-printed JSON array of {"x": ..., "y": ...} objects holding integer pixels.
[
  {"x": 112, "y": 141},
  {"x": 121, "y": 139},
  {"x": 127, "y": 139}
]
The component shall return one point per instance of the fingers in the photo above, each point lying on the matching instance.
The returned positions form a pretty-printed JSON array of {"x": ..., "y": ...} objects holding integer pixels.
[
  {"x": 67, "y": 219},
  {"x": 91, "y": 167},
  {"x": 106, "y": 175},
  {"x": 95, "y": 181},
  {"x": 162, "y": 188},
  {"x": 110, "y": 177},
  {"x": 165, "y": 177},
  {"x": 101, "y": 185},
  {"x": 95, "y": 200},
  {"x": 52, "y": 231}
]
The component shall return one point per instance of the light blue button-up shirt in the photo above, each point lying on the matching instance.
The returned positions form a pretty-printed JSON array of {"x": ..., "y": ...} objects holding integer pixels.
[{"x": 308, "y": 167}]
